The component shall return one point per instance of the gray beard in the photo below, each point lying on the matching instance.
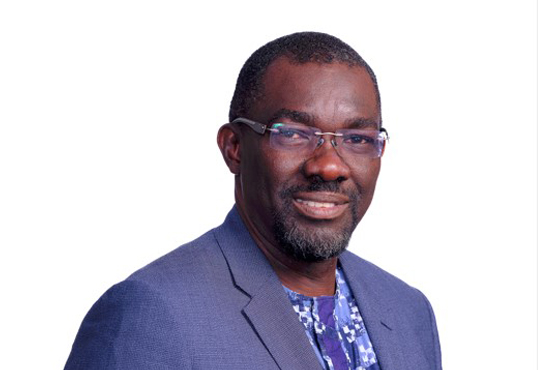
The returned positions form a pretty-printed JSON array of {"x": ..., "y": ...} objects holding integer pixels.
[
  {"x": 313, "y": 244},
  {"x": 310, "y": 245}
]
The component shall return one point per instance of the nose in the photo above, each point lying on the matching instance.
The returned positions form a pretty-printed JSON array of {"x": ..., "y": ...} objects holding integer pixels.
[{"x": 326, "y": 164}]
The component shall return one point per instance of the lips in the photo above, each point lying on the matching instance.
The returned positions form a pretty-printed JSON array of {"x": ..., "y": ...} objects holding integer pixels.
[{"x": 321, "y": 205}]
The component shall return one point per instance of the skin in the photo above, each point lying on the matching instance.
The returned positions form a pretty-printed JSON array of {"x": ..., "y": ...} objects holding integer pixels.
[{"x": 326, "y": 96}]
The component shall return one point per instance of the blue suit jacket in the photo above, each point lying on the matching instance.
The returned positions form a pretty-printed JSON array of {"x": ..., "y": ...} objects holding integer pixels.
[{"x": 216, "y": 303}]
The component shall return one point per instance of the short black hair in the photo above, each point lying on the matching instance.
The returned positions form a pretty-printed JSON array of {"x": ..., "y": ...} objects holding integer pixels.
[{"x": 301, "y": 47}]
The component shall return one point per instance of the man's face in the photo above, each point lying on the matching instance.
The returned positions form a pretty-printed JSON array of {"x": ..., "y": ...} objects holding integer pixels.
[{"x": 309, "y": 204}]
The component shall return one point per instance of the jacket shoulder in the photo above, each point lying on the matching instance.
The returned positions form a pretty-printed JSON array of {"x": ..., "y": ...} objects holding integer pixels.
[
  {"x": 119, "y": 331},
  {"x": 143, "y": 321},
  {"x": 188, "y": 264}
]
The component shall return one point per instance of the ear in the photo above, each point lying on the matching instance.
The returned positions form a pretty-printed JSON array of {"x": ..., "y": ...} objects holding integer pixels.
[{"x": 229, "y": 143}]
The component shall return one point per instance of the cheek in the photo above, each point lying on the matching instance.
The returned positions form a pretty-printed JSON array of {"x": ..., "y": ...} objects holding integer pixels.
[
  {"x": 284, "y": 168},
  {"x": 366, "y": 182},
  {"x": 264, "y": 173},
  {"x": 253, "y": 173},
  {"x": 281, "y": 173},
  {"x": 280, "y": 168}
]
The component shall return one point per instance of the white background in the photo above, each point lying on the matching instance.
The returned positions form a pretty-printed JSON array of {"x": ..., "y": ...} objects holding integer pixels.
[{"x": 109, "y": 112}]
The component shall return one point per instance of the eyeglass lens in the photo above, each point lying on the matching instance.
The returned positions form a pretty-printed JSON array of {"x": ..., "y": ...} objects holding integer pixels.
[{"x": 363, "y": 142}]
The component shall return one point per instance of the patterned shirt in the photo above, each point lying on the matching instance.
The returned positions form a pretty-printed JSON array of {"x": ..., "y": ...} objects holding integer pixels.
[{"x": 335, "y": 328}]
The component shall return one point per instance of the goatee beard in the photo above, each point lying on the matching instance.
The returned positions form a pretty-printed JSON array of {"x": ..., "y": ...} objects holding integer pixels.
[{"x": 315, "y": 243}]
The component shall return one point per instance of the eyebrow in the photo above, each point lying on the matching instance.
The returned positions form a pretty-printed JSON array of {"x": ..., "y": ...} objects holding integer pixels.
[
  {"x": 294, "y": 115},
  {"x": 359, "y": 123},
  {"x": 307, "y": 119}
]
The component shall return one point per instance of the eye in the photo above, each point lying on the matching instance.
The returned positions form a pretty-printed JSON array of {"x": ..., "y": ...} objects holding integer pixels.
[
  {"x": 290, "y": 133},
  {"x": 291, "y": 137},
  {"x": 293, "y": 133},
  {"x": 356, "y": 139}
]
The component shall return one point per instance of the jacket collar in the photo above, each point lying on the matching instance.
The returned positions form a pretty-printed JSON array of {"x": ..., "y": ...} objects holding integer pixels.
[
  {"x": 270, "y": 313},
  {"x": 367, "y": 285},
  {"x": 269, "y": 310}
]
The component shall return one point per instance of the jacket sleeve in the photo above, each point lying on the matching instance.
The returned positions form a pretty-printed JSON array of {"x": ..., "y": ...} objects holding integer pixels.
[
  {"x": 434, "y": 351},
  {"x": 130, "y": 327}
]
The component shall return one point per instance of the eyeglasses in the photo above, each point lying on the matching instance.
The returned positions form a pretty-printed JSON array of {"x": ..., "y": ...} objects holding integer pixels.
[{"x": 305, "y": 139}]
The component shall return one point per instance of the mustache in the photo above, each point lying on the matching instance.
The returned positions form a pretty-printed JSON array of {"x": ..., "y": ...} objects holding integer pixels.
[{"x": 328, "y": 186}]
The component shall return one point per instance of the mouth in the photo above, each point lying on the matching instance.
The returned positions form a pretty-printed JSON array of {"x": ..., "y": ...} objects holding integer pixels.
[{"x": 321, "y": 205}]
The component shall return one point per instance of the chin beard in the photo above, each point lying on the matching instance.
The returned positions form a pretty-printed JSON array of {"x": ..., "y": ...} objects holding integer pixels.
[
  {"x": 315, "y": 243},
  {"x": 310, "y": 245}
]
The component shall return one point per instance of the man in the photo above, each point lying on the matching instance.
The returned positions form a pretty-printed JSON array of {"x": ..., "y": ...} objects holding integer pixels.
[{"x": 272, "y": 287}]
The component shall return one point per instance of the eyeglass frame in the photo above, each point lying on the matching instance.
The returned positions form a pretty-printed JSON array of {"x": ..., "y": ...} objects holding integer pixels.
[{"x": 261, "y": 129}]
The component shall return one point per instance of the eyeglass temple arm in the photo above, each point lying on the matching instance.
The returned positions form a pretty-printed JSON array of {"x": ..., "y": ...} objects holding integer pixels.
[
  {"x": 385, "y": 132},
  {"x": 257, "y": 127}
]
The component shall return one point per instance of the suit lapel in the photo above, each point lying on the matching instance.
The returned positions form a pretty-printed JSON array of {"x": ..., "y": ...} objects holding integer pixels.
[
  {"x": 269, "y": 310},
  {"x": 383, "y": 329},
  {"x": 278, "y": 326}
]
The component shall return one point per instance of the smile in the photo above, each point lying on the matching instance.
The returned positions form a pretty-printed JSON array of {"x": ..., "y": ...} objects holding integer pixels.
[
  {"x": 321, "y": 206},
  {"x": 316, "y": 204}
]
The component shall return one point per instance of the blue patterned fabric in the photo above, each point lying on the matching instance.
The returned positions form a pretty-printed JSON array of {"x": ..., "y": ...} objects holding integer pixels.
[{"x": 335, "y": 328}]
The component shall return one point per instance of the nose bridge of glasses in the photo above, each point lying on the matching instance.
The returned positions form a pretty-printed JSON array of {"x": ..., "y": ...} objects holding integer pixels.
[
  {"x": 327, "y": 161},
  {"x": 321, "y": 139}
]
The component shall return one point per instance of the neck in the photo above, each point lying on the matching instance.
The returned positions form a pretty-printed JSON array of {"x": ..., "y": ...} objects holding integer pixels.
[
  {"x": 312, "y": 279},
  {"x": 308, "y": 278}
]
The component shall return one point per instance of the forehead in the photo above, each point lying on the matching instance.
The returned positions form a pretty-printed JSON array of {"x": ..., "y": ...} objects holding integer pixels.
[{"x": 330, "y": 93}]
